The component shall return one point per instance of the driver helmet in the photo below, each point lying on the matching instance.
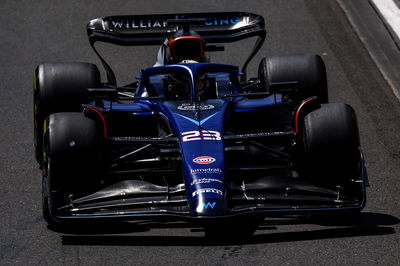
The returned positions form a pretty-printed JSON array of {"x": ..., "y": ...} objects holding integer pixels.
[{"x": 186, "y": 48}]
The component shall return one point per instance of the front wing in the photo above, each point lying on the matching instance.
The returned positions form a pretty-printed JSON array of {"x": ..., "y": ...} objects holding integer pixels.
[{"x": 270, "y": 196}]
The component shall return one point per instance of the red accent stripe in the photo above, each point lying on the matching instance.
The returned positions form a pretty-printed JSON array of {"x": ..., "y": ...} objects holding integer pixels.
[
  {"x": 296, "y": 118},
  {"x": 102, "y": 119}
]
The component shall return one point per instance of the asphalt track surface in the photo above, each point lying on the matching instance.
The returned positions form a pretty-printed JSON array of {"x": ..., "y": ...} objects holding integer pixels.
[{"x": 35, "y": 32}]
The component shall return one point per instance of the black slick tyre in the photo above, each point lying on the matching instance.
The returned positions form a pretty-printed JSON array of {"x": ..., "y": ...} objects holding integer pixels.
[
  {"x": 72, "y": 148},
  {"x": 60, "y": 87},
  {"x": 331, "y": 144},
  {"x": 308, "y": 70}
]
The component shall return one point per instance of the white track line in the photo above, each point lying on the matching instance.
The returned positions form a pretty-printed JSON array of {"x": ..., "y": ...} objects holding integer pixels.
[{"x": 391, "y": 13}]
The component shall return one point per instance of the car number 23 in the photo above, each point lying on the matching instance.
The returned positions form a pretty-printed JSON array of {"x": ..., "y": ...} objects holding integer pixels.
[{"x": 200, "y": 135}]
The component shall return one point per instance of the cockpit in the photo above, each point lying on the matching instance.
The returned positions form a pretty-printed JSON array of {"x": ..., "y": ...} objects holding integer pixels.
[{"x": 181, "y": 83}]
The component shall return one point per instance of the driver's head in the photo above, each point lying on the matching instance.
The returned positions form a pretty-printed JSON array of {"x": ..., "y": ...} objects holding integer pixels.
[{"x": 186, "y": 47}]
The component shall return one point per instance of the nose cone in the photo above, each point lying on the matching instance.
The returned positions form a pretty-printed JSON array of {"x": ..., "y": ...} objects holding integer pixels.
[
  {"x": 205, "y": 184},
  {"x": 200, "y": 133}
]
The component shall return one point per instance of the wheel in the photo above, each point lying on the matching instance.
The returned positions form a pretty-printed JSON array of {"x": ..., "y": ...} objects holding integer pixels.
[
  {"x": 307, "y": 69},
  {"x": 60, "y": 87},
  {"x": 331, "y": 144},
  {"x": 72, "y": 162}
]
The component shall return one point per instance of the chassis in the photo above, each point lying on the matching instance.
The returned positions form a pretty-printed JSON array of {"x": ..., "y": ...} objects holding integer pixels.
[{"x": 268, "y": 145}]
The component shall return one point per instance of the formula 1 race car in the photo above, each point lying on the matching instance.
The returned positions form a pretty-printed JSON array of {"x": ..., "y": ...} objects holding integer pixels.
[{"x": 193, "y": 139}]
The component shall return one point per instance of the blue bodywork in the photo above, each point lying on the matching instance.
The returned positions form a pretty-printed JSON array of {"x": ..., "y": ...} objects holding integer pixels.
[
  {"x": 214, "y": 172},
  {"x": 199, "y": 126}
]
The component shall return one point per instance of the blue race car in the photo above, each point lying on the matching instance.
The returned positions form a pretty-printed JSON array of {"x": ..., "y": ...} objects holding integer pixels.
[{"x": 193, "y": 139}]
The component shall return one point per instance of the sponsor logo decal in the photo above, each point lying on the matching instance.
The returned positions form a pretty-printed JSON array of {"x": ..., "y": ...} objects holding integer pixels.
[
  {"x": 204, "y": 160},
  {"x": 162, "y": 23},
  {"x": 222, "y": 21},
  {"x": 200, "y": 135},
  {"x": 205, "y": 205},
  {"x": 138, "y": 24},
  {"x": 209, "y": 204},
  {"x": 192, "y": 107},
  {"x": 205, "y": 171},
  {"x": 205, "y": 181},
  {"x": 207, "y": 190}
]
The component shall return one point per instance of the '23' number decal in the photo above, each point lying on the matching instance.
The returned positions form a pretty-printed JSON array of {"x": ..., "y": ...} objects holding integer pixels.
[{"x": 200, "y": 135}]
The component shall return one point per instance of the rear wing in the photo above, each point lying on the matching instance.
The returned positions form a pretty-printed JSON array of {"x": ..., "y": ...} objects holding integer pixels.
[{"x": 221, "y": 27}]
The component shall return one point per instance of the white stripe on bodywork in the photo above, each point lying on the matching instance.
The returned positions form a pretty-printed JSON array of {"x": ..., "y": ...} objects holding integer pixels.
[{"x": 201, "y": 122}]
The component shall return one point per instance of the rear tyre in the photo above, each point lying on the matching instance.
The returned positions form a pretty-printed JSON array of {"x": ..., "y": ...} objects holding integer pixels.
[
  {"x": 60, "y": 87},
  {"x": 307, "y": 69},
  {"x": 331, "y": 144},
  {"x": 72, "y": 148}
]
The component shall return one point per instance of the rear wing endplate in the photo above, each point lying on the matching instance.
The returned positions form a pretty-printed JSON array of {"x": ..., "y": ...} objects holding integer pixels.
[{"x": 138, "y": 30}]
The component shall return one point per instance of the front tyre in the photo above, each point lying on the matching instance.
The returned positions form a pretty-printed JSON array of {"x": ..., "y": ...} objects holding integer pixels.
[
  {"x": 72, "y": 161},
  {"x": 331, "y": 144}
]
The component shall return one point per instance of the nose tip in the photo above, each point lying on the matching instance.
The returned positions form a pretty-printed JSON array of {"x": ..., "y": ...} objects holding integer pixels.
[{"x": 209, "y": 207}]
